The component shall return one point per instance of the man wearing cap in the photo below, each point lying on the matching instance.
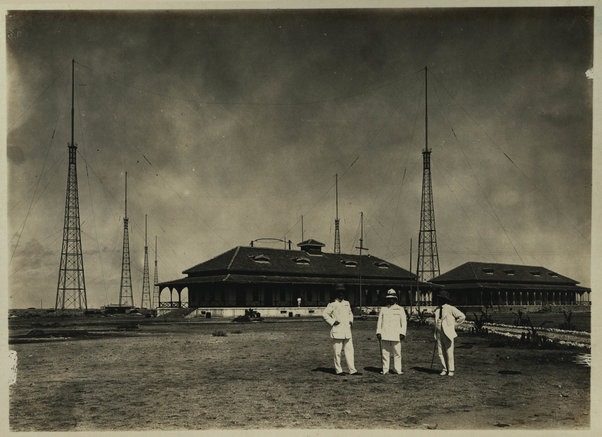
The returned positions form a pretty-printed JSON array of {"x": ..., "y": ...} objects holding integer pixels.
[
  {"x": 390, "y": 331},
  {"x": 339, "y": 316},
  {"x": 446, "y": 318}
]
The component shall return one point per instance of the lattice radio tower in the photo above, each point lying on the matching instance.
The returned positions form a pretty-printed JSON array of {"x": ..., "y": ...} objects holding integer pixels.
[
  {"x": 428, "y": 257},
  {"x": 155, "y": 302},
  {"x": 126, "y": 297},
  {"x": 337, "y": 236},
  {"x": 71, "y": 287},
  {"x": 146, "y": 296}
]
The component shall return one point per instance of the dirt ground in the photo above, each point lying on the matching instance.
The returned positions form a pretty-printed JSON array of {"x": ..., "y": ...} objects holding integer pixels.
[{"x": 279, "y": 375}]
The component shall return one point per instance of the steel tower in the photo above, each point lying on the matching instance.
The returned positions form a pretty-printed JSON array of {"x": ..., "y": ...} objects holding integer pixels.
[
  {"x": 71, "y": 287},
  {"x": 337, "y": 236},
  {"x": 146, "y": 296},
  {"x": 126, "y": 297},
  {"x": 428, "y": 257},
  {"x": 155, "y": 302}
]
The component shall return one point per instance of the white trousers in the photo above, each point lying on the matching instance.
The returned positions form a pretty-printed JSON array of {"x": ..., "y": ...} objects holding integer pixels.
[
  {"x": 391, "y": 348},
  {"x": 345, "y": 345},
  {"x": 445, "y": 347}
]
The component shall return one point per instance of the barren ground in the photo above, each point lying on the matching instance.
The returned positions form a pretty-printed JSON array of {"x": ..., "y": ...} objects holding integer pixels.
[{"x": 278, "y": 374}]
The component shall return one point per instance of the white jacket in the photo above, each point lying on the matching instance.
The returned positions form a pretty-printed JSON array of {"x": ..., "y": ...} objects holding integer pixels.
[
  {"x": 449, "y": 316},
  {"x": 391, "y": 322},
  {"x": 339, "y": 311}
]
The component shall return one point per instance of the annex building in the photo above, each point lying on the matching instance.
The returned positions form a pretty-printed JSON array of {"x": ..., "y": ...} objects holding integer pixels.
[
  {"x": 490, "y": 284},
  {"x": 260, "y": 277}
]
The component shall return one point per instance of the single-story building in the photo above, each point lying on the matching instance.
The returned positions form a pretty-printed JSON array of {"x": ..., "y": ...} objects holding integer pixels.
[
  {"x": 247, "y": 276},
  {"x": 489, "y": 284}
]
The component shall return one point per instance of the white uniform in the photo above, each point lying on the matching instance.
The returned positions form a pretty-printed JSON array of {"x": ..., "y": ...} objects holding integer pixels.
[
  {"x": 391, "y": 324},
  {"x": 340, "y": 311},
  {"x": 446, "y": 319}
]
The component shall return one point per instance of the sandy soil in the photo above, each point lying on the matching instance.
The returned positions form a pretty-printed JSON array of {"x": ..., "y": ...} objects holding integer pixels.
[{"x": 278, "y": 374}]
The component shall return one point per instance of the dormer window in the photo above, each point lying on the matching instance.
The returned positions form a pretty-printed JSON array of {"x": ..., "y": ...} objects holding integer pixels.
[
  {"x": 509, "y": 272},
  {"x": 261, "y": 259},
  {"x": 536, "y": 273},
  {"x": 381, "y": 265},
  {"x": 553, "y": 275},
  {"x": 349, "y": 263},
  {"x": 301, "y": 261},
  {"x": 488, "y": 271}
]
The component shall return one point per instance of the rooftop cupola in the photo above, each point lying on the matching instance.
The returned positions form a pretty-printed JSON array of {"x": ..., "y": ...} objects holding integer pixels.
[{"x": 311, "y": 246}]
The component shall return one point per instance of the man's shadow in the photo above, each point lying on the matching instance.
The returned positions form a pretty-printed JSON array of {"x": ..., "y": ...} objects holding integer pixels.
[
  {"x": 329, "y": 370},
  {"x": 426, "y": 370}
]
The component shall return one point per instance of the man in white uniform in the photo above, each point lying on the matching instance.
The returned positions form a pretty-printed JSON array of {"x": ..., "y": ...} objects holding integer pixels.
[
  {"x": 339, "y": 316},
  {"x": 390, "y": 331},
  {"x": 446, "y": 318}
]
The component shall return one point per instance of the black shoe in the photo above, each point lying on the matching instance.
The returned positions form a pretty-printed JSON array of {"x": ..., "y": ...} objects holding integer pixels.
[
  {"x": 355, "y": 373},
  {"x": 341, "y": 374}
]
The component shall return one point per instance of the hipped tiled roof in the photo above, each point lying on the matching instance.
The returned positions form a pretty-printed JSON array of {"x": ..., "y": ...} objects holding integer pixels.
[
  {"x": 269, "y": 261},
  {"x": 473, "y": 272},
  {"x": 244, "y": 264}
]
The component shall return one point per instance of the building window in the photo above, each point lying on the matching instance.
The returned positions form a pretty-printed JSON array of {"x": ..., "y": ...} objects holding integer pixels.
[
  {"x": 536, "y": 273},
  {"x": 488, "y": 271},
  {"x": 509, "y": 272},
  {"x": 282, "y": 296},
  {"x": 309, "y": 296},
  {"x": 349, "y": 263},
  {"x": 322, "y": 296},
  {"x": 381, "y": 265},
  {"x": 261, "y": 259},
  {"x": 255, "y": 295},
  {"x": 302, "y": 261},
  {"x": 553, "y": 275}
]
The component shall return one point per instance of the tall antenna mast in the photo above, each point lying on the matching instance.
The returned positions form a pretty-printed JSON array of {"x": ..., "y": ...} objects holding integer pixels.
[
  {"x": 428, "y": 258},
  {"x": 361, "y": 247},
  {"x": 337, "y": 236},
  {"x": 155, "y": 302},
  {"x": 126, "y": 297},
  {"x": 146, "y": 296},
  {"x": 302, "y": 237},
  {"x": 71, "y": 287}
]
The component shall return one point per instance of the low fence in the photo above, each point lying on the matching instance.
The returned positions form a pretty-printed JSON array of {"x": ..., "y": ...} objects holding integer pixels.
[{"x": 208, "y": 312}]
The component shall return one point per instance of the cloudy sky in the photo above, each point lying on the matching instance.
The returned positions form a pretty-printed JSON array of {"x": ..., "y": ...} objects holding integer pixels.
[{"x": 232, "y": 125}]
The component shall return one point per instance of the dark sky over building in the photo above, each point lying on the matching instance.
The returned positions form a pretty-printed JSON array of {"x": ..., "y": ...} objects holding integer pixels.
[{"x": 232, "y": 124}]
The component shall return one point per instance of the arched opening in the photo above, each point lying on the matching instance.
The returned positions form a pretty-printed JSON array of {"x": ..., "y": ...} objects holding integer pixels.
[{"x": 183, "y": 298}]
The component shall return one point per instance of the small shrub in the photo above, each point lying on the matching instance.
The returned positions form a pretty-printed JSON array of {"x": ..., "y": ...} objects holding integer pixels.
[
  {"x": 479, "y": 322},
  {"x": 567, "y": 324},
  {"x": 521, "y": 319},
  {"x": 219, "y": 334},
  {"x": 421, "y": 317},
  {"x": 534, "y": 339}
]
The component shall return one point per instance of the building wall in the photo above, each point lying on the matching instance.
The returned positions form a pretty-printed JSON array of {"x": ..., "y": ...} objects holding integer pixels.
[
  {"x": 505, "y": 296},
  {"x": 274, "y": 295}
]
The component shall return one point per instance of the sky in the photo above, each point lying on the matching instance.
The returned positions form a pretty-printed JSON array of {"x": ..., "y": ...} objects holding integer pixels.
[{"x": 232, "y": 125}]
